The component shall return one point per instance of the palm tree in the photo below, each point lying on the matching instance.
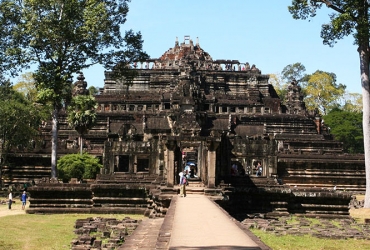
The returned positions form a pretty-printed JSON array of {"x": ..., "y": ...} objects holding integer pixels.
[{"x": 81, "y": 115}]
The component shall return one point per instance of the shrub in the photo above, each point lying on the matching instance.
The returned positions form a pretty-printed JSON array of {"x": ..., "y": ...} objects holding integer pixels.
[{"x": 78, "y": 166}]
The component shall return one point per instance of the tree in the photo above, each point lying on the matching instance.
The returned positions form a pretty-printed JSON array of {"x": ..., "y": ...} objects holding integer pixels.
[
  {"x": 322, "y": 92},
  {"x": 93, "y": 90},
  {"x": 19, "y": 122},
  {"x": 81, "y": 115},
  {"x": 80, "y": 166},
  {"x": 280, "y": 86},
  {"x": 65, "y": 37},
  {"x": 346, "y": 127},
  {"x": 352, "y": 102},
  {"x": 295, "y": 71},
  {"x": 349, "y": 17},
  {"x": 26, "y": 86}
]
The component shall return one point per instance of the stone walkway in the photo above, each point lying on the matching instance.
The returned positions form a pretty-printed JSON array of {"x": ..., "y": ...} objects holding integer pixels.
[
  {"x": 196, "y": 222},
  {"x": 145, "y": 236}
]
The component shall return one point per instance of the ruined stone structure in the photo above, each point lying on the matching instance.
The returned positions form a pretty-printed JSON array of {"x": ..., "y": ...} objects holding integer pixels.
[{"x": 187, "y": 107}]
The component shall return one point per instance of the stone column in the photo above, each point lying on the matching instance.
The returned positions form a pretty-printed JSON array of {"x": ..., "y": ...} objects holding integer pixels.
[
  {"x": 131, "y": 168},
  {"x": 134, "y": 158},
  {"x": 211, "y": 163},
  {"x": 171, "y": 145}
]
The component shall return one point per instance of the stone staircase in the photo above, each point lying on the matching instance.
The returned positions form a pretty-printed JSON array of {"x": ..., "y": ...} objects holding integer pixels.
[
  {"x": 110, "y": 193},
  {"x": 340, "y": 178},
  {"x": 19, "y": 175},
  {"x": 127, "y": 178},
  {"x": 265, "y": 195},
  {"x": 230, "y": 183},
  {"x": 195, "y": 186}
]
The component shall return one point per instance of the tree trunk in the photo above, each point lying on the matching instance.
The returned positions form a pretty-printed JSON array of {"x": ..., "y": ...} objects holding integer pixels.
[
  {"x": 54, "y": 143},
  {"x": 1, "y": 170},
  {"x": 81, "y": 144},
  {"x": 364, "y": 66}
]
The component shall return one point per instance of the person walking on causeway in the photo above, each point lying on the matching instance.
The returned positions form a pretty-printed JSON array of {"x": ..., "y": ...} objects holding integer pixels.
[{"x": 182, "y": 184}]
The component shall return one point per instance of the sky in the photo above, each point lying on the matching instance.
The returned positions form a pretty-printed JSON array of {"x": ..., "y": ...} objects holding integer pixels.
[{"x": 260, "y": 32}]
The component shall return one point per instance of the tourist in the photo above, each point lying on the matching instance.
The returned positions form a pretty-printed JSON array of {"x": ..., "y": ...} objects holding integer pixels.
[
  {"x": 180, "y": 174},
  {"x": 183, "y": 182},
  {"x": 187, "y": 170},
  {"x": 193, "y": 170},
  {"x": 24, "y": 200},
  {"x": 258, "y": 169},
  {"x": 234, "y": 169},
  {"x": 10, "y": 199}
]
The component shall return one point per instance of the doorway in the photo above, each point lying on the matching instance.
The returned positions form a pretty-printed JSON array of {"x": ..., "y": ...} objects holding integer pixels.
[
  {"x": 142, "y": 165},
  {"x": 123, "y": 163},
  {"x": 190, "y": 162}
]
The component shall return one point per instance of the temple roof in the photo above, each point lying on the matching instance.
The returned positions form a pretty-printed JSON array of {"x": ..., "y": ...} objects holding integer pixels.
[{"x": 186, "y": 51}]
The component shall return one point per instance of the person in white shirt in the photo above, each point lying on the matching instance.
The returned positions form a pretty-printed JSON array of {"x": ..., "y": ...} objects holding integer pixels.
[{"x": 10, "y": 199}]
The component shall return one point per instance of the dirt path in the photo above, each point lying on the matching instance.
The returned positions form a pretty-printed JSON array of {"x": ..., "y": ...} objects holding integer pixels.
[{"x": 16, "y": 209}]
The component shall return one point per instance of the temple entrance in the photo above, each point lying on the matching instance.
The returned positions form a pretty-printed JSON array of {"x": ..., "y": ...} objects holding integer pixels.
[
  {"x": 142, "y": 165},
  {"x": 123, "y": 163},
  {"x": 190, "y": 162}
]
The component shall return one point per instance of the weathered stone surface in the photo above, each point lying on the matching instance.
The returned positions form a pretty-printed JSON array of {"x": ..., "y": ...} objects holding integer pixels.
[
  {"x": 112, "y": 238},
  {"x": 333, "y": 229},
  {"x": 186, "y": 106}
]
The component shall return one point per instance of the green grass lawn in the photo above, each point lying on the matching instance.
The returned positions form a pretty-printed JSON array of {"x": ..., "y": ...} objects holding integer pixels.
[
  {"x": 41, "y": 232},
  {"x": 291, "y": 242},
  {"x": 307, "y": 242}
]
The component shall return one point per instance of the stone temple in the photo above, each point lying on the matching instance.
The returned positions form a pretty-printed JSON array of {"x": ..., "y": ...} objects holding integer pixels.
[{"x": 185, "y": 108}]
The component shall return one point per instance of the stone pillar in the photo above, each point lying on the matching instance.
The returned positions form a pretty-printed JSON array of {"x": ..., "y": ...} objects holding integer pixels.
[
  {"x": 171, "y": 145},
  {"x": 211, "y": 163},
  {"x": 131, "y": 168},
  {"x": 108, "y": 158},
  {"x": 134, "y": 158}
]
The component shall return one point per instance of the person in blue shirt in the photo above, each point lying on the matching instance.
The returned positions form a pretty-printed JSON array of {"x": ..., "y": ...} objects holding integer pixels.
[
  {"x": 187, "y": 171},
  {"x": 24, "y": 200}
]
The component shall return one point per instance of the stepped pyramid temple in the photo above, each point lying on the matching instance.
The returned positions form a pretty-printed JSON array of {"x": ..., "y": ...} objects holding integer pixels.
[{"x": 220, "y": 117}]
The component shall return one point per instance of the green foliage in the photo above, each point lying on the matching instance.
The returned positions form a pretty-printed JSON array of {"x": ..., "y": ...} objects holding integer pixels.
[
  {"x": 81, "y": 113},
  {"x": 280, "y": 87},
  {"x": 78, "y": 166},
  {"x": 353, "y": 102},
  {"x": 19, "y": 119},
  {"x": 349, "y": 17},
  {"x": 346, "y": 126},
  {"x": 295, "y": 71},
  {"x": 93, "y": 90},
  {"x": 319, "y": 89},
  {"x": 62, "y": 38},
  {"x": 322, "y": 92}
]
